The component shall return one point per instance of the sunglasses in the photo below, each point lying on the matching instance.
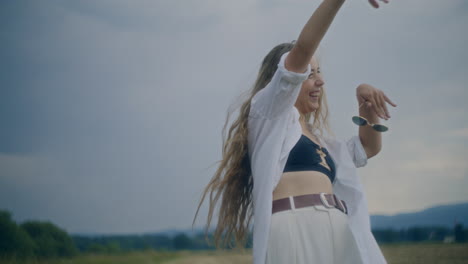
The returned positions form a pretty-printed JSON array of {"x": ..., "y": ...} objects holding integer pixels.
[{"x": 361, "y": 121}]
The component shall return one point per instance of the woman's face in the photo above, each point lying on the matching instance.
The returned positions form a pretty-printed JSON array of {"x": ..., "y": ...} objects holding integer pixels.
[{"x": 311, "y": 90}]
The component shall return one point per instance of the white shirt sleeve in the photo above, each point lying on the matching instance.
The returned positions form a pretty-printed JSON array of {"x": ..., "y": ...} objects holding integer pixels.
[
  {"x": 280, "y": 94},
  {"x": 357, "y": 151}
]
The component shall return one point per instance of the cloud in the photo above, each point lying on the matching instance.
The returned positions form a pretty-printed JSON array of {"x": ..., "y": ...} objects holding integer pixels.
[
  {"x": 463, "y": 132},
  {"x": 457, "y": 168},
  {"x": 117, "y": 109},
  {"x": 22, "y": 168}
]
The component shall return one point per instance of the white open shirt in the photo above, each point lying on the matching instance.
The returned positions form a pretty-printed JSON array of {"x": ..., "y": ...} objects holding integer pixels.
[{"x": 274, "y": 129}]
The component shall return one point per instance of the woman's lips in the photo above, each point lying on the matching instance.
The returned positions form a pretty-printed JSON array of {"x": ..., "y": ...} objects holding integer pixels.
[{"x": 314, "y": 95}]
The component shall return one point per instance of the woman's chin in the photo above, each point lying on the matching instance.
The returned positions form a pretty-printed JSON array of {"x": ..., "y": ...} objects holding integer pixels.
[
  {"x": 313, "y": 107},
  {"x": 309, "y": 108}
]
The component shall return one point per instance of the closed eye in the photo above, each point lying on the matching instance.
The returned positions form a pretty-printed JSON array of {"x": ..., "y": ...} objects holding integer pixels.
[{"x": 312, "y": 72}]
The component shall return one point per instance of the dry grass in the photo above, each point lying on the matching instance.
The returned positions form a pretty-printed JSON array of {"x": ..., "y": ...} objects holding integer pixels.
[
  {"x": 395, "y": 254},
  {"x": 139, "y": 257},
  {"x": 426, "y": 253},
  {"x": 218, "y": 257}
]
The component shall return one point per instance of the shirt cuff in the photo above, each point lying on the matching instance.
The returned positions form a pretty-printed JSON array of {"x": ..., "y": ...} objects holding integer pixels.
[
  {"x": 357, "y": 151},
  {"x": 290, "y": 76}
]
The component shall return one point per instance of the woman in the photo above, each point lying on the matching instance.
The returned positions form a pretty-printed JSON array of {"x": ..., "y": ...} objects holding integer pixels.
[{"x": 308, "y": 203}]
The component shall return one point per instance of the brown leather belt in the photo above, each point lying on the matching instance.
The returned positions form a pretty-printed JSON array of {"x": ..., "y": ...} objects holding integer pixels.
[{"x": 326, "y": 199}]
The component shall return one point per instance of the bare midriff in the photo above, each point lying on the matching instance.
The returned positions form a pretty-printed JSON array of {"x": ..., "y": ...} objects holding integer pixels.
[{"x": 302, "y": 182}]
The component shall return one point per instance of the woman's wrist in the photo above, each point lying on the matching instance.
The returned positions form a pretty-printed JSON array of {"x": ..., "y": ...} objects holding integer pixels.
[
  {"x": 338, "y": 1},
  {"x": 335, "y": 4}
]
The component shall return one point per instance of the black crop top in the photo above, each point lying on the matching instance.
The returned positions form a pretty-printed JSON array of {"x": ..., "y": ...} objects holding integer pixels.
[{"x": 305, "y": 157}]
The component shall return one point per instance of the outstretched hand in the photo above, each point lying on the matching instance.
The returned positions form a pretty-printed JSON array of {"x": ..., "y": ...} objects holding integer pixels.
[
  {"x": 374, "y": 99},
  {"x": 375, "y": 4}
]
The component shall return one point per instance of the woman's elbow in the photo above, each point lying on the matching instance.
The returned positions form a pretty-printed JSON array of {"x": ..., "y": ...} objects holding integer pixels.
[{"x": 372, "y": 151}]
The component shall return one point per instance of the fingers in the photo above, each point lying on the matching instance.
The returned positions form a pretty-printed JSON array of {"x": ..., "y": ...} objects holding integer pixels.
[
  {"x": 374, "y": 3},
  {"x": 379, "y": 109},
  {"x": 389, "y": 101},
  {"x": 375, "y": 106},
  {"x": 383, "y": 107},
  {"x": 378, "y": 105},
  {"x": 375, "y": 100}
]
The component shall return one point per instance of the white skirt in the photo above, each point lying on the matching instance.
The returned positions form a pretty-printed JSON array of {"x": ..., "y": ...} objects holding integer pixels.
[{"x": 311, "y": 235}]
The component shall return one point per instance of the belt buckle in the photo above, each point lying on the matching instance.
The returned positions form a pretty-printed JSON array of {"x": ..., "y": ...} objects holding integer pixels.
[
  {"x": 325, "y": 201},
  {"x": 342, "y": 205}
]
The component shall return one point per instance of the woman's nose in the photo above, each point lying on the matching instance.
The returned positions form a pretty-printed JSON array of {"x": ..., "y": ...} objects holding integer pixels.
[{"x": 319, "y": 82}]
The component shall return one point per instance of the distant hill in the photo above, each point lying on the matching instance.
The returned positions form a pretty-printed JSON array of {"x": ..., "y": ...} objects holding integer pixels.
[{"x": 443, "y": 215}]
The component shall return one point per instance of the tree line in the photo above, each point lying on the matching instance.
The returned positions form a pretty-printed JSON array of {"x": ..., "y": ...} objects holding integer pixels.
[
  {"x": 33, "y": 239},
  {"x": 457, "y": 234},
  {"x": 41, "y": 239}
]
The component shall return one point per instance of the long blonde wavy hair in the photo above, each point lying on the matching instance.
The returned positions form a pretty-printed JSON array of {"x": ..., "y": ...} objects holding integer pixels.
[{"x": 233, "y": 181}]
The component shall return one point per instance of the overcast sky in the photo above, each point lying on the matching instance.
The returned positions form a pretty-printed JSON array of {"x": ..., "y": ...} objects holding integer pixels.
[{"x": 111, "y": 111}]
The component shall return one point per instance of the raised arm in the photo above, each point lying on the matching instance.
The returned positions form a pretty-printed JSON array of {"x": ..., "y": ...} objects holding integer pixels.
[
  {"x": 311, "y": 35},
  {"x": 373, "y": 105},
  {"x": 313, "y": 32}
]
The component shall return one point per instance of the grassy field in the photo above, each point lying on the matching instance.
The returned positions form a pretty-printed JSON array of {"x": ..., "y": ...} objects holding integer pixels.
[
  {"x": 426, "y": 253},
  {"x": 395, "y": 254}
]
